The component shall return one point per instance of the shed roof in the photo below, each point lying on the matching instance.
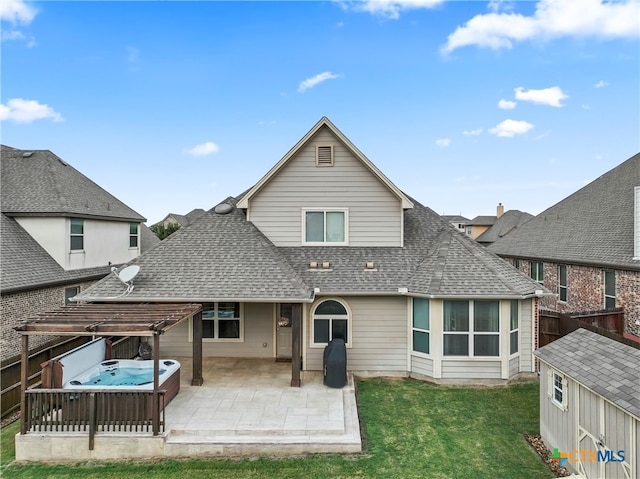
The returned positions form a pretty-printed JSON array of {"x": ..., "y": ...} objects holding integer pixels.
[
  {"x": 109, "y": 319},
  {"x": 607, "y": 367}
]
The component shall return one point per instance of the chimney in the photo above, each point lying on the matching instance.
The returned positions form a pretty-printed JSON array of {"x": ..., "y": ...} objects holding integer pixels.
[{"x": 500, "y": 210}]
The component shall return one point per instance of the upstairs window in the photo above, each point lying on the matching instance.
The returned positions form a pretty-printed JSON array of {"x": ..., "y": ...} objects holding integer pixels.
[
  {"x": 325, "y": 227},
  {"x": 537, "y": 271},
  {"x": 133, "y": 235},
  {"x": 77, "y": 234},
  {"x": 324, "y": 155},
  {"x": 609, "y": 289},
  {"x": 562, "y": 282},
  {"x": 70, "y": 293}
]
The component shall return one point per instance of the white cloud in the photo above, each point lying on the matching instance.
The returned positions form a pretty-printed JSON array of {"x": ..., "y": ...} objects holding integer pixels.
[
  {"x": 472, "y": 132},
  {"x": 443, "y": 142},
  {"x": 601, "y": 84},
  {"x": 20, "y": 110},
  {"x": 552, "y": 19},
  {"x": 17, "y": 12},
  {"x": 547, "y": 96},
  {"x": 389, "y": 8},
  {"x": 313, "y": 81},
  {"x": 507, "y": 104},
  {"x": 207, "y": 148},
  {"x": 511, "y": 128}
]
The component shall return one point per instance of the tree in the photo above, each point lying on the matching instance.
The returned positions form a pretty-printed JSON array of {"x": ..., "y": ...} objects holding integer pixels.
[{"x": 163, "y": 231}]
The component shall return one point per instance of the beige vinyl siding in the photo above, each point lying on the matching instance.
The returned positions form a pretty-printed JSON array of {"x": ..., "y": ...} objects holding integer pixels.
[
  {"x": 514, "y": 366},
  {"x": 378, "y": 335},
  {"x": 422, "y": 366},
  {"x": 557, "y": 427},
  {"x": 375, "y": 214},
  {"x": 526, "y": 336},
  {"x": 258, "y": 329},
  {"x": 465, "y": 369}
]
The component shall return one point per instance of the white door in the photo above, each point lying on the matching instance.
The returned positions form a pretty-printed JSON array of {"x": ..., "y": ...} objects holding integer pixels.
[{"x": 283, "y": 331}]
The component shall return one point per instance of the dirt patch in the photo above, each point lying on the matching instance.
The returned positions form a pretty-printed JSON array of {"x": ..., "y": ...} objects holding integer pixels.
[
  {"x": 9, "y": 418},
  {"x": 538, "y": 445}
]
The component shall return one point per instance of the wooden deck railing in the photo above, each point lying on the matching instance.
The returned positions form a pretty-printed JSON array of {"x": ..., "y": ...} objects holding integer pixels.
[{"x": 82, "y": 411}]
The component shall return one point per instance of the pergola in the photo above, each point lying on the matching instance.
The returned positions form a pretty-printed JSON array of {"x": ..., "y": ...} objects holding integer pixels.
[{"x": 115, "y": 319}]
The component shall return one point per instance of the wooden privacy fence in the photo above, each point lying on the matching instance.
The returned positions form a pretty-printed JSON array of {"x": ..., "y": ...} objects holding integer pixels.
[
  {"x": 124, "y": 348},
  {"x": 609, "y": 323},
  {"x": 103, "y": 411}
]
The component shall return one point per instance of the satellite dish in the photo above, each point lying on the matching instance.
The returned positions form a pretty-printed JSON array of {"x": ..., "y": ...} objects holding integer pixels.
[{"x": 128, "y": 273}]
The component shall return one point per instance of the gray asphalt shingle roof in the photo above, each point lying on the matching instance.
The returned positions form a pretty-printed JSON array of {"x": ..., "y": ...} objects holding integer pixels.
[
  {"x": 226, "y": 257},
  {"x": 593, "y": 226},
  {"x": 504, "y": 225},
  {"x": 607, "y": 367},
  {"x": 39, "y": 182}
]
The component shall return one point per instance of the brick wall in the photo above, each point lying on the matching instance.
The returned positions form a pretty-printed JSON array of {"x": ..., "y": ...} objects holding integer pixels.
[
  {"x": 585, "y": 291},
  {"x": 16, "y": 307}
]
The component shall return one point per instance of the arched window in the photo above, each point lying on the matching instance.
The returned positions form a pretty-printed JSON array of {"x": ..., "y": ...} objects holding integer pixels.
[{"x": 330, "y": 321}]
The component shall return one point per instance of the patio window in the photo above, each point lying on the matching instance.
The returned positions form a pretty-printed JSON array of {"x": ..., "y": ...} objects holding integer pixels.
[
  {"x": 330, "y": 321},
  {"x": 562, "y": 282},
  {"x": 537, "y": 271},
  {"x": 322, "y": 227},
  {"x": 222, "y": 321},
  {"x": 609, "y": 289},
  {"x": 421, "y": 326},
  {"x": 558, "y": 389},
  {"x": 133, "y": 235},
  {"x": 514, "y": 327},
  {"x": 471, "y": 328},
  {"x": 76, "y": 230}
]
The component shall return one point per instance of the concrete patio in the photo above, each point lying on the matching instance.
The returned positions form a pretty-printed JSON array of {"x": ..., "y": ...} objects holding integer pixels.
[{"x": 246, "y": 407}]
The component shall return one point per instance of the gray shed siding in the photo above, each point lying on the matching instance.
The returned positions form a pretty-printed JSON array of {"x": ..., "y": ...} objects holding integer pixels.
[
  {"x": 375, "y": 214},
  {"x": 378, "y": 331},
  {"x": 258, "y": 329},
  {"x": 591, "y": 416}
]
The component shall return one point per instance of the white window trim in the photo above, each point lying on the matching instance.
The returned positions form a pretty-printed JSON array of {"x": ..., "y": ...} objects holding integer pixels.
[
  {"x": 325, "y": 211},
  {"x": 312, "y": 317},
  {"x": 563, "y": 286},
  {"x": 471, "y": 334},
  {"x": 81, "y": 250},
  {"x": 137, "y": 235},
  {"x": 541, "y": 267},
  {"x": 604, "y": 287},
  {"x": 428, "y": 331},
  {"x": 551, "y": 390},
  {"x": 220, "y": 340}
]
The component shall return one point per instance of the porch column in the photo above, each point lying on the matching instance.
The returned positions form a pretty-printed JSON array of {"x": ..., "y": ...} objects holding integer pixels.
[
  {"x": 197, "y": 350},
  {"x": 296, "y": 359},
  {"x": 24, "y": 378},
  {"x": 156, "y": 384}
]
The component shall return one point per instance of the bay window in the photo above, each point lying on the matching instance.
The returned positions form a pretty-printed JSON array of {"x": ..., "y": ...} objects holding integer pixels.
[{"x": 471, "y": 328}]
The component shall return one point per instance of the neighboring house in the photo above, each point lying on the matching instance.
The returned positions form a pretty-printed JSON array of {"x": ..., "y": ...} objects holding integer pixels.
[
  {"x": 60, "y": 233},
  {"x": 457, "y": 221},
  {"x": 590, "y": 405},
  {"x": 182, "y": 220},
  {"x": 480, "y": 224},
  {"x": 324, "y": 236},
  {"x": 504, "y": 225},
  {"x": 586, "y": 248}
]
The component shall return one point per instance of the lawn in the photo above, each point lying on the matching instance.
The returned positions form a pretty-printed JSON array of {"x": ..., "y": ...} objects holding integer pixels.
[{"x": 411, "y": 429}]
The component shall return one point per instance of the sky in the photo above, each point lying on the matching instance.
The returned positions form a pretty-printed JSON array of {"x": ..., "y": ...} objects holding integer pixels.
[{"x": 172, "y": 106}]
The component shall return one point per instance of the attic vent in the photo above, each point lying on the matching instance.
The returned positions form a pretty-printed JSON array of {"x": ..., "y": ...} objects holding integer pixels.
[
  {"x": 27, "y": 154},
  {"x": 324, "y": 155}
]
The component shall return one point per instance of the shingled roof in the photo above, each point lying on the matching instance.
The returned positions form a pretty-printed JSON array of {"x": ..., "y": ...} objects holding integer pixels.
[
  {"x": 605, "y": 366},
  {"x": 504, "y": 225},
  {"x": 37, "y": 182},
  {"x": 225, "y": 257},
  {"x": 593, "y": 226}
]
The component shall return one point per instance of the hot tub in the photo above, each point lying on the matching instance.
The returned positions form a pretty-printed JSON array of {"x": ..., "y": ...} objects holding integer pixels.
[{"x": 123, "y": 375}]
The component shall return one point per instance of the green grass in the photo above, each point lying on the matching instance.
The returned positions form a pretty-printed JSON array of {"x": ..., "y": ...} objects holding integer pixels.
[{"x": 411, "y": 429}]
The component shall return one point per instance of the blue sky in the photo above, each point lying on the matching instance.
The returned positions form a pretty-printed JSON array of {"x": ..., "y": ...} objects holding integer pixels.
[{"x": 172, "y": 106}]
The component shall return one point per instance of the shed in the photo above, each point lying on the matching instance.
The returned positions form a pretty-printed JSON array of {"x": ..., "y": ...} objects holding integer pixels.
[{"x": 590, "y": 404}]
